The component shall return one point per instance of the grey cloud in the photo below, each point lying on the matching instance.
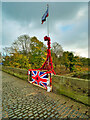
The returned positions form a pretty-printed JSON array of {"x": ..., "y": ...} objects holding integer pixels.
[
  {"x": 28, "y": 11},
  {"x": 25, "y": 18}
]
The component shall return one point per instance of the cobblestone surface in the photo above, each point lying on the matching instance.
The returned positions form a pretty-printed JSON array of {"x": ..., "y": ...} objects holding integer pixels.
[{"x": 21, "y": 100}]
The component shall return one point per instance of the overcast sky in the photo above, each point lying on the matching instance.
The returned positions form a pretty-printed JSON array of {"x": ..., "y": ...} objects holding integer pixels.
[{"x": 68, "y": 23}]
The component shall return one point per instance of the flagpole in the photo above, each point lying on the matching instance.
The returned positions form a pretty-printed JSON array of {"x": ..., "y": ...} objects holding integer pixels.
[
  {"x": 48, "y": 27},
  {"x": 48, "y": 21}
]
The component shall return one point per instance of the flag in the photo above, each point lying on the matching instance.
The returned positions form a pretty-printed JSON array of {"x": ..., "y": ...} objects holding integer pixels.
[
  {"x": 40, "y": 78},
  {"x": 46, "y": 14}
]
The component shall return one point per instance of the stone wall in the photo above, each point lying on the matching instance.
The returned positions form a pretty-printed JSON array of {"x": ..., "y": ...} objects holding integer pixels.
[
  {"x": 21, "y": 73},
  {"x": 70, "y": 82},
  {"x": 74, "y": 88}
]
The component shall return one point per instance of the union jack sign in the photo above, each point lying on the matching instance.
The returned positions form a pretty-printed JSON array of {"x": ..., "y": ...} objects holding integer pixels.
[{"x": 40, "y": 78}]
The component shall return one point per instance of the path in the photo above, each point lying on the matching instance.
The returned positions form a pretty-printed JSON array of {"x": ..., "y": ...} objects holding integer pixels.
[{"x": 22, "y": 100}]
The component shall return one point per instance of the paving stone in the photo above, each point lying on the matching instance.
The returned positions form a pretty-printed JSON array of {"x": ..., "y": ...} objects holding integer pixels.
[
  {"x": 71, "y": 112},
  {"x": 76, "y": 112},
  {"x": 58, "y": 107},
  {"x": 14, "y": 117},
  {"x": 20, "y": 114},
  {"x": 45, "y": 112},
  {"x": 37, "y": 118},
  {"x": 17, "y": 113},
  {"x": 42, "y": 119},
  {"x": 30, "y": 115},
  {"x": 29, "y": 112},
  {"x": 20, "y": 117},
  {"x": 52, "y": 115},
  {"x": 11, "y": 115},
  {"x": 55, "y": 112},
  {"x": 52, "y": 110},
  {"x": 28, "y": 108},
  {"x": 56, "y": 116},
  {"x": 49, "y": 109},
  {"x": 41, "y": 115},
  {"x": 24, "y": 115},
  {"x": 53, "y": 106},
  {"x": 45, "y": 116},
  {"x": 40, "y": 112},
  {"x": 44, "y": 109},
  {"x": 49, "y": 118},
  {"x": 39, "y": 109},
  {"x": 36, "y": 115},
  {"x": 25, "y": 111},
  {"x": 31, "y": 118},
  {"x": 49, "y": 113},
  {"x": 63, "y": 110},
  {"x": 34, "y": 109},
  {"x": 22, "y": 110},
  {"x": 84, "y": 116}
]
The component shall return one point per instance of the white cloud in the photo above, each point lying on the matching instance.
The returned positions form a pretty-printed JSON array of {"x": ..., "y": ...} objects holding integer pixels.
[{"x": 81, "y": 52}]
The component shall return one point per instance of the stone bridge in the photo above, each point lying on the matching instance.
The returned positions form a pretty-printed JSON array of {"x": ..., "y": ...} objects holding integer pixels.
[{"x": 21, "y": 100}]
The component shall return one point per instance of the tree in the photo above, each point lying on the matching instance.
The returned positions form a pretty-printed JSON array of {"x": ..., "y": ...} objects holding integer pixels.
[
  {"x": 17, "y": 60},
  {"x": 6, "y": 51},
  {"x": 88, "y": 59},
  {"x": 38, "y": 53},
  {"x": 84, "y": 61},
  {"x": 71, "y": 61},
  {"x": 57, "y": 53},
  {"x": 57, "y": 49},
  {"x": 65, "y": 60},
  {"x": 26, "y": 52},
  {"x": 1, "y": 57},
  {"x": 22, "y": 44}
]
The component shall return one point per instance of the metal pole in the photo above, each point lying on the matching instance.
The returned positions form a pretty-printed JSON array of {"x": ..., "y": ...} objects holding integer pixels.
[
  {"x": 48, "y": 27},
  {"x": 48, "y": 21}
]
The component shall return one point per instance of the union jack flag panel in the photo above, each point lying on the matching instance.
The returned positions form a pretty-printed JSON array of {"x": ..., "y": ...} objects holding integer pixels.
[{"x": 40, "y": 78}]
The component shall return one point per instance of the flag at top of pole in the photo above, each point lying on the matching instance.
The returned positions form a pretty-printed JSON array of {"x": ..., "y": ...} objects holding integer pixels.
[{"x": 46, "y": 14}]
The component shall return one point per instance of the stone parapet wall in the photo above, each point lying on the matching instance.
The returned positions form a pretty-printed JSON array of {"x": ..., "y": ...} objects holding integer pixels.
[
  {"x": 70, "y": 82},
  {"x": 20, "y": 73},
  {"x": 75, "y": 88}
]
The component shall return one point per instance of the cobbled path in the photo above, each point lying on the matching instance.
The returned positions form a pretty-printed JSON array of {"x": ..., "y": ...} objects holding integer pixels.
[{"x": 21, "y": 100}]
